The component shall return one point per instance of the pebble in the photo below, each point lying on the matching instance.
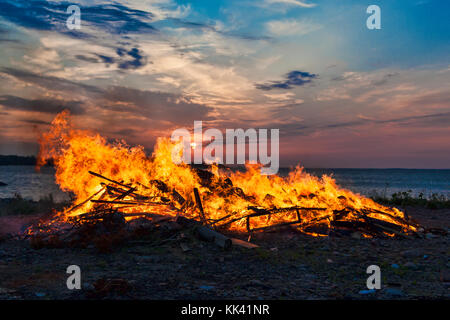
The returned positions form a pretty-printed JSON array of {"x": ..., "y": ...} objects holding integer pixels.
[
  {"x": 259, "y": 283},
  {"x": 394, "y": 292},
  {"x": 356, "y": 235},
  {"x": 88, "y": 286},
  {"x": 412, "y": 253},
  {"x": 410, "y": 265},
  {"x": 147, "y": 259},
  {"x": 206, "y": 287},
  {"x": 367, "y": 291}
]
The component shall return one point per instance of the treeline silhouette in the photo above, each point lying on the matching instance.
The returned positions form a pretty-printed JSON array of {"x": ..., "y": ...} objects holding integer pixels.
[{"x": 19, "y": 161}]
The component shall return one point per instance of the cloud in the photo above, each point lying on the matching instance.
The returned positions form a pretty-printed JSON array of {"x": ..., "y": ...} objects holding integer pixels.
[
  {"x": 292, "y": 3},
  {"x": 154, "y": 105},
  {"x": 293, "y": 127},
  {"x": 206, "y": 27},
  {"x": 293, "y": 78},
  {"x": 127, "y": 132},
  {"x": 48, "y": 15},
  {"x": 88, "y": 59},
  {"x": 158, "y": 106},
  {"x": 291, "y": 27},
  {"x": 137, "y": 60},
  {"x": 426, "y": 119},
  {"x": 48, "y": 82},
  {"x": 125, "y": 59},
  {"x": 40, "y": 105}
]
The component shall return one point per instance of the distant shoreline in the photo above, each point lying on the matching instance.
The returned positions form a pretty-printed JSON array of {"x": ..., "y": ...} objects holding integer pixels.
[{"x": 13, "y": 160}]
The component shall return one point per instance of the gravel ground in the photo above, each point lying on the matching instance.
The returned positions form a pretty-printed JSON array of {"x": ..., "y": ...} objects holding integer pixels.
[{"x": 287, "y": 265}]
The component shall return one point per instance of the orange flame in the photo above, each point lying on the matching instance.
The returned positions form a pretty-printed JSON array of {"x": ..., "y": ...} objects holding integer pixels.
[{"x": 76, "y": 152}]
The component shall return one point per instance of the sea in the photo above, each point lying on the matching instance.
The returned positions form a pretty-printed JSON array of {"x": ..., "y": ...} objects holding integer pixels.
[{"x": 30, "y": 184}]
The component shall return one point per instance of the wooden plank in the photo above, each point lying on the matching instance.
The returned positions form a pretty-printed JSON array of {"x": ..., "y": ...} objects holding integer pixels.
[
  {"x": 206, "y": 233},
  {"x": 107, "y": 179},
  {"x": 85, "y": 201},
  {"x": 200, "y": 206},
  {"x": 242, "y": 243},
  {"x": 137, "y": 203}
]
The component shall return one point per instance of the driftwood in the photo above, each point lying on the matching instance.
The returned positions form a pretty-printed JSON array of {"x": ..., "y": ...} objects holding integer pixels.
[
  {"x": 242, "y": 243},
  {"x": 206, "y": 233},
  {"x": 210, "y": 235}
]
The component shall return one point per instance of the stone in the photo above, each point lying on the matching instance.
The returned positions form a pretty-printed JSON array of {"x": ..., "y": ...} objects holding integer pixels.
[
  {"x": 394, "y": 292},
  {"x": 206, "y": 287},
  {"x": 356, "y": 235},
  {"x": 410, "y": 265},
  {"x": 412, "y": 253},
  {"x": 364, "y": 292}
]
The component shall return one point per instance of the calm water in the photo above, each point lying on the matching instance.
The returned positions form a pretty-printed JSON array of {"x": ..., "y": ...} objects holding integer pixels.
[
  {"x": 388, "y": 181},
  {"x": 25, "y": 181}
]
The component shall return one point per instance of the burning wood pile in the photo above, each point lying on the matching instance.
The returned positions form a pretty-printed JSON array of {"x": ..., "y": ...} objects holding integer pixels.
[
  {"x": 119, "y": 187},
  {"x": 122, "y": 206}
]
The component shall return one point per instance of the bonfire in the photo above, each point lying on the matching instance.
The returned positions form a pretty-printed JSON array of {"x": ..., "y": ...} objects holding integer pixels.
[{"x": 115, "y": 180}]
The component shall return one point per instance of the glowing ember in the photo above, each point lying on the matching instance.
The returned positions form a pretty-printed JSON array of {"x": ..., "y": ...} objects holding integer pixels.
[{"x": 120, "y": 178}]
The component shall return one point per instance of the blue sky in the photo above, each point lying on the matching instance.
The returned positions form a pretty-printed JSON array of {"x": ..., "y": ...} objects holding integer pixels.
[{"x": 342, "y": 95}]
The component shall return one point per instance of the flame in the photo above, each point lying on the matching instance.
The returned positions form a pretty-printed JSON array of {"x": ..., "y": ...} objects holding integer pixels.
[{"x": 226, "y": 196}]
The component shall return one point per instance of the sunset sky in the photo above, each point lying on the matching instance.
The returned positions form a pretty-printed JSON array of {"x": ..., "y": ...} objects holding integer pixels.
[{"x": 340, "y": 94}]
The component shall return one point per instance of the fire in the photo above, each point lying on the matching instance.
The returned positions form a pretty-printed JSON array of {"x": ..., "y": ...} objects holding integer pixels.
[{"x": 100, "y": 174}]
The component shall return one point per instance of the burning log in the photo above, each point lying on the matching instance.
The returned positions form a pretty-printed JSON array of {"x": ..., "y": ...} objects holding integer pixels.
[
  {"x": 382, "y": 224},
  {"x": 275, "y": 226},
  {"x": 129, "y": 202},
  {"x": 178, "y": 197},
  {"x": 107, "y": 179},
  {"x": 200, "y": 206},
  {"x": 85, "y": 201},
  {"x": 268, "y": 212},
  {"x": 121, "y": 193},
  {"x": 206, "y": 177},
  {"x": 161, "y": 186},
  {"x": 340, "y": 214}
]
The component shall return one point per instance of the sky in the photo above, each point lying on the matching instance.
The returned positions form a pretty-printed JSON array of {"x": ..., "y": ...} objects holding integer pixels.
[{"x": 342, "y": 95}]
